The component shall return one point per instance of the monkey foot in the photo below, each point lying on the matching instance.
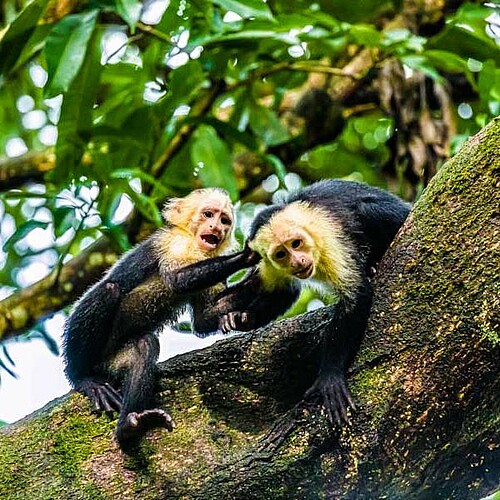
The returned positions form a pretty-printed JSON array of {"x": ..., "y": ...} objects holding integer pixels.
[
  {"x": 104, "y": 397},
  {"x": 135, "y": 424}
]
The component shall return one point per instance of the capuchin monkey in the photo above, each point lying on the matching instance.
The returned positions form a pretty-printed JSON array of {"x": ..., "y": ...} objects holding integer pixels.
[
  {"x": 110, "y": 342},
  {"x": 329, "y": 235}
]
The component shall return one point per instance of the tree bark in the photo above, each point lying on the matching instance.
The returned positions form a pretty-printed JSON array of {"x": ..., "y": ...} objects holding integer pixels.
[{"x": 425, "y": 382}]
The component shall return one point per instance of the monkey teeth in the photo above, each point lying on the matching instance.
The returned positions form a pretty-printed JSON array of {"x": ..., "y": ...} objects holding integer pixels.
[
  {"x": 211, "y": 240},
  {"x": 304, "y": 273}
]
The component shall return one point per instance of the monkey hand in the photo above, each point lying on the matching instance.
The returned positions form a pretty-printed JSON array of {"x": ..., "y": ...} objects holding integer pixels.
[
  {"x": 251, "y": 256},
  {"x": 331, "y": 389},
  {"x": 102, "y": 395},
  {"x": 237, "y": 320}
]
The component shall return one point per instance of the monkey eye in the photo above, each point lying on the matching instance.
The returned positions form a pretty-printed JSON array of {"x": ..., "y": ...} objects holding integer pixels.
[
  {"x": 280, "y": 254},
  {"x": 208, "y": 214},
  {"x": 225, "y": 221},
  {"x": 296, "y": 243}
]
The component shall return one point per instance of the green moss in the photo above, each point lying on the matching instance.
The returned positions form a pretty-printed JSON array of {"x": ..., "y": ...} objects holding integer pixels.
[{"x": 45, "y": 459}]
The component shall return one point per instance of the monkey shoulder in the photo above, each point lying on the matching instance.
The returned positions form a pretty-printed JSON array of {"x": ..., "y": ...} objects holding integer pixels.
[{"x": 135, "y": 266}]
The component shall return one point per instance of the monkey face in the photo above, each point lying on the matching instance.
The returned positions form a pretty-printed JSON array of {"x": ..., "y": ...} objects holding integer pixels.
[
  {"x": 212, "y": 225},
  {"x": 293, "y": 255}
]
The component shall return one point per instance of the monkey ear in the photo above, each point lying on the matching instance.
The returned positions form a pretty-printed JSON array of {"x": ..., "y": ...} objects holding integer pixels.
[{"x": 172, "y": 210}]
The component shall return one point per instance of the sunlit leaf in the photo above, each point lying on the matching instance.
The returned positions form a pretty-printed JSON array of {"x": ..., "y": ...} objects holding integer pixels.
[
  {"x": 278, "y": 166},
  {"x": 246, "y": 8},
  {"x": 130, "y": 11},
  {"x": 65, "y": 50},
  {"x": 265, "y": 124},
  {"x": 146, "y": 205},
  {"x": 75, "y": 123},
  {"x": 420, "y": 63},
  {"x": 132, "y": 173},
  {"x": 364, "y": 34},
  {"x": 64, "y": 218},
  {"x": 18, "y": 34},
  {"x": 212, "y": 160},
  {"x": 449, "y": 62},
  {"x": 22, "y": 231},
  {"x": 466, "y": 33}
]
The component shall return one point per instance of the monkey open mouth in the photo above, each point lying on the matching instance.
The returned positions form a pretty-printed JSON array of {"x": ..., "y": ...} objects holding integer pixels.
[
  {"x": 305, "y": 272},
  {"x": 211, "y": 241}
]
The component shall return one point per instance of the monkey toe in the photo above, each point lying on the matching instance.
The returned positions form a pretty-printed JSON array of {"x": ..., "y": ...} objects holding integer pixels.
[
  {"x": 135, "y": 424},
  {"x": 332, "y": 392}
]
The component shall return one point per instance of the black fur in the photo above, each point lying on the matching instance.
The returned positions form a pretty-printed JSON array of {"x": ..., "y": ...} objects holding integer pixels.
[
  {"x": 370, "y": 218},
  {"x": 110, "y": 344}
]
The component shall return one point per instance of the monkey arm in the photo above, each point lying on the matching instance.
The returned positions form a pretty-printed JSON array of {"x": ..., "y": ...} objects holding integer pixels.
[
  {"x": 342, "y": 338},
  {"x": 246, "y": 305},
  {"x": 209, "y": 272}
]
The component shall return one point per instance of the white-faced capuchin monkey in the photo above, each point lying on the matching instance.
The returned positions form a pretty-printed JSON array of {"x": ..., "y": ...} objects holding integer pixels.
[
  {"x": 110, "y": 343},
  {"x": 331, "y": 234}
]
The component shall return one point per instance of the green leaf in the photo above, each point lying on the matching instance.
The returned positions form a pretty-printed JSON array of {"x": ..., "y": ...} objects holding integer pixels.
[
  {"x": 230, "y": 133},
  {"x": 246, "y": 8},
  {"x": 420, "y": 63},
  {"x": 75, "y": 123},
  {"x": 63, "y": 219},
  {"x": 354, "y": 10},
  {"x": 146, "y": 206},
  {"x": 212, "y": 160},
  {"x": 266, "y": 125},
  {"x": 17, "y": 35},
  {"x": 130, "y": 11},
  {"x": 450, "y": 63},
  {"x": 465, "y": 34},
  {"x": 364, "y": 34},
  {"x": 65, "y": 50},
  {"x": 489, "y": 83},
  {"x": 22, "y": 231},
  {"x": 132, "y": 173},
  {"x": 119, "y": 237},
  {"x": 278, "y": 166}
]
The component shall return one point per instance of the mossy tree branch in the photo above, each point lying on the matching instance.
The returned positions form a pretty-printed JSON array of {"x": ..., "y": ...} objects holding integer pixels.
[{"x": 425, "y": 382}]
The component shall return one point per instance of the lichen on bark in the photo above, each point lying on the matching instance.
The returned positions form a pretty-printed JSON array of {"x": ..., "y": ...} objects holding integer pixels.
[{"x": 425, "y": 382}]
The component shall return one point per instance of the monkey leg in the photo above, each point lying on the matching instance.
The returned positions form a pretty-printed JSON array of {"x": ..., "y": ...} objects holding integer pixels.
[
  {"x": 341, "y": 341},
  {"x": 139, "y": 412}
]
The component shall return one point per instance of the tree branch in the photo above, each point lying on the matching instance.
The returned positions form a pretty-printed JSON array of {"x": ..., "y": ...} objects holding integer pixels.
[
  {"x": 425, "y": 382},
  {"x": 15, "y": 172},
  {"x": 27, "y": 306}
]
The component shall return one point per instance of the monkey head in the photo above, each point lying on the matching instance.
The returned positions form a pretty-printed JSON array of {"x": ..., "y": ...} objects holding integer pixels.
[
  {"x": 207, "y": 214},
  {"x": 287, "y": 244}
]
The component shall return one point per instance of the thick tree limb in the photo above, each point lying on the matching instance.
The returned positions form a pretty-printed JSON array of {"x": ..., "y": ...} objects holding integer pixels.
[
  {"x": 425, "y": 382},
  {"x": 15, "y": 172},
  {"x": 29, "y": 305}
]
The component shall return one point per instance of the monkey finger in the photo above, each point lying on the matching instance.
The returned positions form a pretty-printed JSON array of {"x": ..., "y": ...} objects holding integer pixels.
[
  {"x": 244, "y": 318},
  {"x": 348, "y": 398},
  {"x": 113, "y": 397},
  {"x": 233, "y": 320},
  {"x": 96, "y": 400},
  {"x": 332, "y": 411},
  {"x": 104, "y": 403},
  {"x": 113, "y": 393},
  {"x": 224, "y": 324}
]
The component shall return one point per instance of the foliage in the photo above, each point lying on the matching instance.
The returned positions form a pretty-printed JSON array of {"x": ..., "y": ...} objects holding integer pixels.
[{"x": 143, "y": 102}]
